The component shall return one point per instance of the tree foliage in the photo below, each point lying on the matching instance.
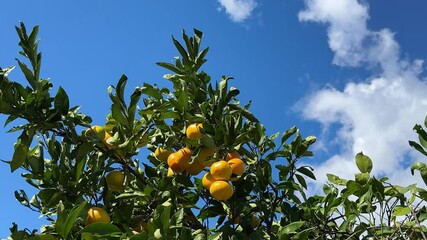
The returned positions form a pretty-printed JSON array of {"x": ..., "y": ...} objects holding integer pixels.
[{"x": 67, "y": 161}]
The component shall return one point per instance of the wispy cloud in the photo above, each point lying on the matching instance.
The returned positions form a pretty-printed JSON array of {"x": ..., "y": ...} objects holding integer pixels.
[
  {"x": 376, "y": 115},
  {"x": 238, "y": 10}
]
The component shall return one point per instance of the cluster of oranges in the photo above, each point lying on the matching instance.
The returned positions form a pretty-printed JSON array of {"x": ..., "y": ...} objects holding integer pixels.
[
  {"x": 219, "y": 175},
  {"x": 216, "y": 180}
]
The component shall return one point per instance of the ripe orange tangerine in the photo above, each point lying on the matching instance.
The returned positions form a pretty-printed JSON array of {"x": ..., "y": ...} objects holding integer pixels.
[
  {"x": 195, "y": 167},
  {"x": 221, "y": 170},
  {"x": 179, "y": 160},
  {"x": 207, "y": 180},
  {"x": 237, "y": 166},
  {"x": 193, "y": 131},
  {"x": 97, "y": 214},
  {"x": 221, "y": 190}
]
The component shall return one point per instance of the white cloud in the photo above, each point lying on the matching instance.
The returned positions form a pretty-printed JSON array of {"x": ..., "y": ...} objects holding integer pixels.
[
  {"x": 238, "y": 10},
  {"x": 375, "y": 116}
]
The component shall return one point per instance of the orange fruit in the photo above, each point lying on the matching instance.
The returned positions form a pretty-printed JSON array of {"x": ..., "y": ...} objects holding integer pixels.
[
  {"x": 193, "y": 131},
  {"x": 221, "y": 190},
  {"x": 231, "y": 155},
  {"x": 221, "y": 170},
  {"x": 162, "y": 154},
  {"x": 205, "y": 153},
  {"x": 195, "y": 167},
  {"x": 97, "y": 214},
  {"x": 115, "y": 180},
  {"x": 170, "y": 172},
  {"x": 179, "y": 160},
  {"x": 95, "y": 132},
  {"x": 207, "y": 180},
  {"x": 237, "y": 167}
]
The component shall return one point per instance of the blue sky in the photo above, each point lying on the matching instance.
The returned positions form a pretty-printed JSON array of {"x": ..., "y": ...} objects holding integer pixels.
[{"x": 350, "y": 72}]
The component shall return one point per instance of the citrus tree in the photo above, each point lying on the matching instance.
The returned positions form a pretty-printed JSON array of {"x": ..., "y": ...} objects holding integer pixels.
[{"x": 212, "y": 171}]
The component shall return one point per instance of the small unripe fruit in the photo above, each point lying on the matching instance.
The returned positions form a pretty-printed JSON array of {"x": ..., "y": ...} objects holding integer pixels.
[{"x": 115, "y": 180}]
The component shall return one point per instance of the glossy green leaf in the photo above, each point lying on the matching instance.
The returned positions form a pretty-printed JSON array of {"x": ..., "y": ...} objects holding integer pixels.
[
  {"x": 19, "y": 156},
  {"x": 171, "y": 67},
  {"x": 101, "y": 228},
  {"x": 28, "y": 74},
  {"x": 401, "y": 211},
  {"x": 71, "y": 218},
  {"x": 308, "y": 171},
  {"x": 418, "y": 147},
  {"x": 364, "y": 163},
  {"x": 336, "y": 180},
  {"x": 61, "y": 102},
  {"x": 292, "y": 227},
  {"x": 362, "y": 177},
  {"x": 417, "y": 166},
  {"x": 141, "y": 236}
]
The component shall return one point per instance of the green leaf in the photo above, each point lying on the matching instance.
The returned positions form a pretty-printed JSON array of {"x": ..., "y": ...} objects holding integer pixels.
[
  {"x": 166, "y": 217},
  {"x": 401, "y": 211},
  {"x": 43, "y": 237},
  {"x": 362, "y": 177},
  {"x": 422, "y": 135},
  {"x": 181, "y": 50},
  {"x": 136, "y": 95},
  {"x": 183, "y": 100},
  {"x": 28, "y": 74},
  {"x": 263, "y": 172},
  {"x": 141, "y": 236},
  {"x": 364, "y": 163},
  {"x": 71, "y": 218},
  {"x": 10, "y": 119},
  {"x": 171, "y": 67},
  {"x": 177, "y": 218},
  {"x": 418, "y": 147},
  {"x": 61, "y": 102},
  {"x": 288, "y": 133},
  {"x": 424, "y": 175},
  {"x": 336, "y": 180},
  {"x": 418, "y": 166},
  {"x": 208, "y": 140},
  {"x": 116, "y": 112},
  {"x": 149, "y": 90},
  {"x": 292, "y": 227},
  {"x": 101, "y": 228},
  {"x": 301, "y": 180},
  {"x": 307, "y": 170},
  {"x": 19, "y": 156},
  {"x": 244, "y": 112}
]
